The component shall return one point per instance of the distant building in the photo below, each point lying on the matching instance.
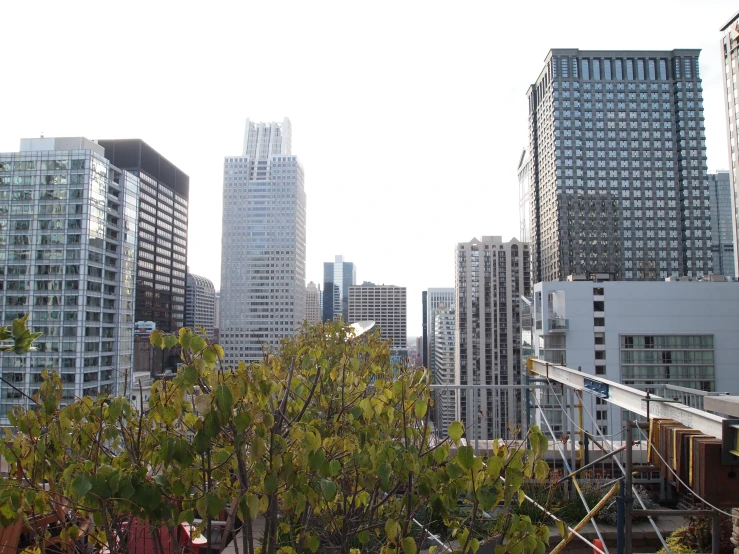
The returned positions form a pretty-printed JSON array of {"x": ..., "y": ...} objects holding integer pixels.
[
  {"x": 722, "y": 223},
  {"x": 161, "y": 265},
  {"x": 217, "y": 330},
  {"x": 445, "y": 401},
  {"x": 68, "y": 224},
  {"x": 730, "y": 54},
  {"x": 200, "y": 310},
  {"x": 436, "y": 299},
  {"x": 618, "y": 166},
  {"x": 263, "y": 243},
  {"x": 338, "y": 276},
  {"x": 490, "y": 278},
  {"x": 645, "y": 335},
  {"x": 312, "y": 303},
  {"x": 383, "y": 304}
]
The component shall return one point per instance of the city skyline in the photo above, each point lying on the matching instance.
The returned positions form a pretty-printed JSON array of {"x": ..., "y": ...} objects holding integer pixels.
[{"x": 413, "y": 173}]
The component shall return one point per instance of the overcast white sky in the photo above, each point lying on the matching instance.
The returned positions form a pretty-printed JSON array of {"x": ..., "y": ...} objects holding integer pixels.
[{"x": 409, "y": 117}]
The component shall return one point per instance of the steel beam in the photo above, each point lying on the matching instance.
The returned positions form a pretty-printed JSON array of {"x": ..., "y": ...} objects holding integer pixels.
[{"x": 630, "y": 398}]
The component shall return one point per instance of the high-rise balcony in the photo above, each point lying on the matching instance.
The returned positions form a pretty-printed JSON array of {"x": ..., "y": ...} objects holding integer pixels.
[{"x": 558, "y": 325}]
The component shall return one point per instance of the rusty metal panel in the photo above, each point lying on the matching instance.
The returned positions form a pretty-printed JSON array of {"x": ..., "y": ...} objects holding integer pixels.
[
  {"x": 654, "y": 434},
  {"x": 665, "y": 448},
  {"x": 682, "y": 465},
  {"x": 718, "y": 484}
]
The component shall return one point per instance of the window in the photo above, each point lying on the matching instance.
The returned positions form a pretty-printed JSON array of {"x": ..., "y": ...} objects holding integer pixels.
[
  {"x": 599, "y": 306},
  {"x": 598, "y": 291},
  {"x": 600, "y": 338},
  {"x": 599, "y": 321},
  {"x": 600, "y": 354},
  {"x": 600, "y": 370}
]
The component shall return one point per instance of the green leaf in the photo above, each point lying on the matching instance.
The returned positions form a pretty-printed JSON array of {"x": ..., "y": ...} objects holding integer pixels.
[
  {"x": 456, "y": 430},
  {"x": 209, "y": 355},
  {"x": 185, "y": 337},
  {"x": 186, "y": 516},
  {"x": 242, "y": 420},
  {"x": 465, "y": 457},
  {"x": 385, "y": 471},
  {"x": 189, "y": 375},
  {"x": 453, "y": 470},
  {"x": 170, "y": 341},
  {"x": 392, "y": 530},
  {"x": 212, "y": 426},
  {"x": 487, "y": 496},
  {"x": 252, "y": 504},
  {"x": 224, "y": 399},
  {"x": 313, "y": 543},
  {"x": 215, "y": 504},
  {"x": 155, "y": 338},
  {"x": 495, "y": 465},
  {"x": 561, "y": 528},
  {"x": 334, "y": 467},
  {"x": 201, "y": 442},
  {"x": 270, "y": 482},
  {"x": 312, "y": 441},
  {"x": 420, "y": 408},
  {"x": 408, "y": 544},
  {"x": 81, "y": 485},
  {"x": 328, "y": 488},
  {"x": 541, "y": 469},
  {"x": 197, "y": 344}
]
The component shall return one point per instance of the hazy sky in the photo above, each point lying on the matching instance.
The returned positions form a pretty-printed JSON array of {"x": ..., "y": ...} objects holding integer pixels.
[{"x": 409, "y": 117}]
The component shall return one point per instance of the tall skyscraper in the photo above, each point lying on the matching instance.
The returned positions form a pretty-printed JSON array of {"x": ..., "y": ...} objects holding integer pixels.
[
  {"x": 312, "y": 303},
  {"x": 68, "y": 221},
  {"x": 162, "y": 243},
  {"x": 200, "y": 309},
  {"x": 490, "y": 277},
  {"x": 338, "y": 276},
  {"x": 383, "y": 304},
  {"x": 730, "y": 55},
  {"x": 263, "y": 252},
  {"x": 618, "y": 166},
  {"x": 436, "y": 300},
  {"x": 722, "y": 223}
]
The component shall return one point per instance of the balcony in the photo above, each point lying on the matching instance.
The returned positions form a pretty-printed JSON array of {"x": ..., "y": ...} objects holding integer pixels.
[{"x": 558, "y": 325}]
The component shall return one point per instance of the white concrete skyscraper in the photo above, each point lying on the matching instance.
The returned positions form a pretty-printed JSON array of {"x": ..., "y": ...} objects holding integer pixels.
[
  {"x": 263, "y": 253},
  {"x": 491, "y": 276}
]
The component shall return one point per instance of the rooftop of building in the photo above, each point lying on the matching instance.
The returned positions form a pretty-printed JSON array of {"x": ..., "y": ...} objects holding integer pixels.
[{"x": 730, "y": 21}]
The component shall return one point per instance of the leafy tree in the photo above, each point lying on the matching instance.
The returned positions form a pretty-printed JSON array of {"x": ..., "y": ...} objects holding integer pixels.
[{"x": 324, "y": 440}]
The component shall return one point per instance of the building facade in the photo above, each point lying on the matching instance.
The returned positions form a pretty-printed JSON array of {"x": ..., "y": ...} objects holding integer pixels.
[
  {"x": 263, "y": 245},
  {"x": 313, "y": 303},
  {"x": 722, "y": 223},
  {"x": 490, "y": 277},
  {"x": 643, "y": 335},
  {"x": 618, "y": 166},
  {"x": 730, "y": 59},
  {"x": 200, "y": 307},
  {"x": 524, "y": 196},
  {"x": 68, "y": 221},
  {"x": 383, "y": 304},
  {"x": 444, "y": 400},
  {"x": 162, "y": 242},
  {"x": 338, "y": 276},
  {"x": 437, "y": 299}
]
